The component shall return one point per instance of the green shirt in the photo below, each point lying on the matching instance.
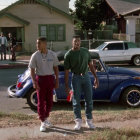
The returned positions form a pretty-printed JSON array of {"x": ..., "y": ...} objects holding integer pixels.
[{"x": 77, "y": 61}]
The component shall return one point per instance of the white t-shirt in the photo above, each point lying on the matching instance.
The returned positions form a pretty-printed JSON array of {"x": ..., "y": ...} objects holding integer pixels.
[
  {"x": 3, "y": 40},
  {"x": 43, "y": 63}
]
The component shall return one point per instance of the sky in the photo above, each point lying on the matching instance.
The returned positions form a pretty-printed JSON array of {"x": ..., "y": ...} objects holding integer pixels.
[{"x": 5, "y": 3}]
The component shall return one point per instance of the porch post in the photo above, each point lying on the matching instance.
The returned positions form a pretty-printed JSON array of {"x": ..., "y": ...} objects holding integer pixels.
[
  {"x": 23, "y": 37},
  {"x": 131, "y": 29}
]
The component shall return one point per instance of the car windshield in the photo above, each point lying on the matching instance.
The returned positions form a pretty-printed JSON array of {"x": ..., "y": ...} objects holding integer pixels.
[{"x": 101, "y": 46}]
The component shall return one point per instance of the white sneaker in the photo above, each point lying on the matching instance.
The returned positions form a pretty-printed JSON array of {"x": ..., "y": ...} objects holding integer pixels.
[
  {"x": 42, "y": 127},
  {"x": 47, "y": 123},
  {"x": 89, "y": 124},
  {"x": 78, "y": 124}
]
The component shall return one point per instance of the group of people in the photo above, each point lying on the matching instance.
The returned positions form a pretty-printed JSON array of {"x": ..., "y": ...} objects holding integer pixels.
[
  {"x": 7, "y": 44},
  {"x": 45, "y": 77}
]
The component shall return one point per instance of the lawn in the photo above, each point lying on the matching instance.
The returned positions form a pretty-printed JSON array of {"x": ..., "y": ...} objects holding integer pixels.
[{"x": 103, "y": 113}]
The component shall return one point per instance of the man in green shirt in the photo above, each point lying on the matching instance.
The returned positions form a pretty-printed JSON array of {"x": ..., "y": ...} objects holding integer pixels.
[{"x": 78, "y": 60}]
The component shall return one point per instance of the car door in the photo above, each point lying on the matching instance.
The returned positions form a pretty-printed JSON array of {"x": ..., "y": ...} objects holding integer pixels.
[
  {"x": 112, "y": 52},
  {"x": 102, "y": 92},
  {"x": 129, "y": 47}
]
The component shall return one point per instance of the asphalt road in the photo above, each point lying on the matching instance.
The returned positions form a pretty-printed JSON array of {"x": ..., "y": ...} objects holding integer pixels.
[
  {"x": 9, "y": 77},
  {"x": 11, "y": 105}
]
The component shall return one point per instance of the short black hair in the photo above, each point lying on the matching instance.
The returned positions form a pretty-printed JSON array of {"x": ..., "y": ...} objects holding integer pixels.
[
  {"x": 76, "y": 36},
  {"x": 43, "y": 39}
]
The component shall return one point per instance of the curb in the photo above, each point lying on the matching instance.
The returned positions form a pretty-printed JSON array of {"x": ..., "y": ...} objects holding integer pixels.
[{"x": 11, "y": 66}]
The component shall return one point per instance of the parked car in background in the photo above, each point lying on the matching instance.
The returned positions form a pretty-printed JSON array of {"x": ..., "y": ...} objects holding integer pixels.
[
  {"x": 116, "y": 84},
  {"x": 119, "y": 51}
]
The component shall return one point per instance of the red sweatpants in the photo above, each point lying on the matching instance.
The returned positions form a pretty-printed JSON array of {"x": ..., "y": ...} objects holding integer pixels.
[{"x": 45, "y": 95}]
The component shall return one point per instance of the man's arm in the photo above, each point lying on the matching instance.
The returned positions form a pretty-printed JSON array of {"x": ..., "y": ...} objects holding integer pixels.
[
  {"x": 33, "y": 78},
  {"x": 92, "y": 69},
  {"x": 67, "y": 81},
  {"x": 56, "y": 72}
]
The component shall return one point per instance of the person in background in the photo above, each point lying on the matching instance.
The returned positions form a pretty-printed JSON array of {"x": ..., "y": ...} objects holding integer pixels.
[
  {"x": 3, "y": 43},
  {"x": 0, "y": 48},
  {"x": 44, "y": 73},
  {"x": 78, "y": 60},
  {"x": 12, "y": 46}
]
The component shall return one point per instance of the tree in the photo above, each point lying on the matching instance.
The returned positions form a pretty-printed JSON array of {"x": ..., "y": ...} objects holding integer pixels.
[{"x": 90, "y": 14}]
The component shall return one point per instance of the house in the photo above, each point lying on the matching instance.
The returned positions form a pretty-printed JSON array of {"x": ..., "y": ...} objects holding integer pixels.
[
  {"x": 126, "y": 13},
  {"x": 29, "y": 19}
]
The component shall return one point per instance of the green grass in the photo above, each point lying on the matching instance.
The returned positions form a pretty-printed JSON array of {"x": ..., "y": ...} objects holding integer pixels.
[
  {"x": 112, "y": 134},
  {"x": 16, "y": 116}
]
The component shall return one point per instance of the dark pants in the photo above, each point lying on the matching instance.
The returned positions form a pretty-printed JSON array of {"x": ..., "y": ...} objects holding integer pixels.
[
  {"x": 13, "y": 48},
  {"x": 82, "y": 84},
  {"x": 3, "y": 51},
  {"x": 45, "y": 95}
]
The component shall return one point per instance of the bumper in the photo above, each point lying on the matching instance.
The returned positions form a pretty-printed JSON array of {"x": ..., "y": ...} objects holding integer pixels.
[{"x": 12, "y": 91}]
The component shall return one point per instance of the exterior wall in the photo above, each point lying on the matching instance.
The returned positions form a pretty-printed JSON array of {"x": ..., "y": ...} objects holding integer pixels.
[
  {"x": 62, "y": 4},
  {"x": 131, "y": 28},
  {"x": 121, "y": 25},
  {"x": 37, "y": 14},
  {"x": 7, "y": 22}
]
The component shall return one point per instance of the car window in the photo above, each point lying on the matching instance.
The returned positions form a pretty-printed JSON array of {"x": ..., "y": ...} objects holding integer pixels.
[
  {"x": 126, "y": 46},
  {"x": 114, "y": 46},
  {"x": 131, "y": 45},
  {"x": 97, "y": 65}
]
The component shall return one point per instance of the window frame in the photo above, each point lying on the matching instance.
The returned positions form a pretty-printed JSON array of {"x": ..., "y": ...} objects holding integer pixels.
[{"x": 56, "y": 31}]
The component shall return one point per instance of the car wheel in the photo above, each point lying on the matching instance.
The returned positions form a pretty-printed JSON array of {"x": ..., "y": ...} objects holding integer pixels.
[
  {"x": 131, "y": 96},
  {"x": 136, "y": 60},
  {"x": 32, "y": 99}
]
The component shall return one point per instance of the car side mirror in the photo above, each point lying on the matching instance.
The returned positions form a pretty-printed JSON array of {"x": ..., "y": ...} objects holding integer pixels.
[{"x": 105, "y": 49}]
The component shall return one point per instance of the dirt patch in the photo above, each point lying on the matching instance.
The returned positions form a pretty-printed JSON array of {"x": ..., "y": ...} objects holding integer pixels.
[{"x": 66, "y": 117}]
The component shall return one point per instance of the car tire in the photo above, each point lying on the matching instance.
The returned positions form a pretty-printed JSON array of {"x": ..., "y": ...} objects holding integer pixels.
[
  {"x": 131, "y": 97},
  {"x": 32, "y": 99},
  {"x": 136, "y": 60}
]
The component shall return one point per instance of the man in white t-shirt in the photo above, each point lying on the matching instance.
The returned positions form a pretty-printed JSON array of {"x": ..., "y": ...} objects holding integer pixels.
[
  {"x": 3, "y": 43},
  {"x": 44, "y": 65}
]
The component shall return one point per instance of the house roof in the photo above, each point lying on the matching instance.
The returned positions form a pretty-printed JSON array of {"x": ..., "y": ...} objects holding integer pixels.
[
  {"x": 15, "y": 18},
  {"x": 42, "y": 2},
  {"x": 124, "y": 7}
]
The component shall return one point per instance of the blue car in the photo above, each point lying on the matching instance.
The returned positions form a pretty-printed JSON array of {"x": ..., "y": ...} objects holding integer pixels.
[{"x": 116, "y": 84}]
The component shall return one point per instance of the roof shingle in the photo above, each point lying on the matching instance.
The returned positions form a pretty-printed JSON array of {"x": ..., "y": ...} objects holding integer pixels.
[{"x": 123, "y": 7}]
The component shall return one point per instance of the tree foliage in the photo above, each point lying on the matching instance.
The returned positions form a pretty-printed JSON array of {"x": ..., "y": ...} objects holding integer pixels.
[{"x": 90, "y": 13}]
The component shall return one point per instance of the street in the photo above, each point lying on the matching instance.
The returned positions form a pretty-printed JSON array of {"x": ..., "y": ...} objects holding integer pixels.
[{"x": 9, "y": 105}]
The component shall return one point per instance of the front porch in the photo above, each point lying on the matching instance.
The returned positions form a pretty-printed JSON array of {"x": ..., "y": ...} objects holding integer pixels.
[{"x": 16, "y": 26}]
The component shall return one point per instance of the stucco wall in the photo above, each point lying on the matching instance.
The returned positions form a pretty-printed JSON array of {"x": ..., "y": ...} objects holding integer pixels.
[
  {"x": 7, "y": 22},
  {"x": 37, "y": 14}
]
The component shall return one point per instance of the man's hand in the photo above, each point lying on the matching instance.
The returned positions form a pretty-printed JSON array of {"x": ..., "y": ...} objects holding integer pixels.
[
  {"x": 67, "y": 89},
  {"x": 35, "y": 85},
  {"x": 96, "y": 83},
  {"x": 56, "y": 84}
]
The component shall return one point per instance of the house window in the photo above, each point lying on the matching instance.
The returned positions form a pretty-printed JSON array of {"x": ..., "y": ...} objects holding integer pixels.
[
  {"x": 138, "y": 26},
  {"x": 43, "y": 31},
  {"x": 53, "y": 32}
]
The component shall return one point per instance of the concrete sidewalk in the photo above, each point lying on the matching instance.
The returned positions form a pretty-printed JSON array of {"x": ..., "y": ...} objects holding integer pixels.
[{"x": 8, "y": 64}]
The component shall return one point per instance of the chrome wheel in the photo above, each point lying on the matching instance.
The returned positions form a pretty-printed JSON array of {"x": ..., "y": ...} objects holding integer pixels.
[
  {"x": 32, "y": 98},
  {"x": 133, "y": 98},
  {"x": 136, "y": 60}
]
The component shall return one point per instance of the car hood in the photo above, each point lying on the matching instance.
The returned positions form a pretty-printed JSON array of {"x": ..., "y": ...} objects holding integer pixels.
[
  {"x": 123, "y": 71},
  {"x": 93, "y": 50}
]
